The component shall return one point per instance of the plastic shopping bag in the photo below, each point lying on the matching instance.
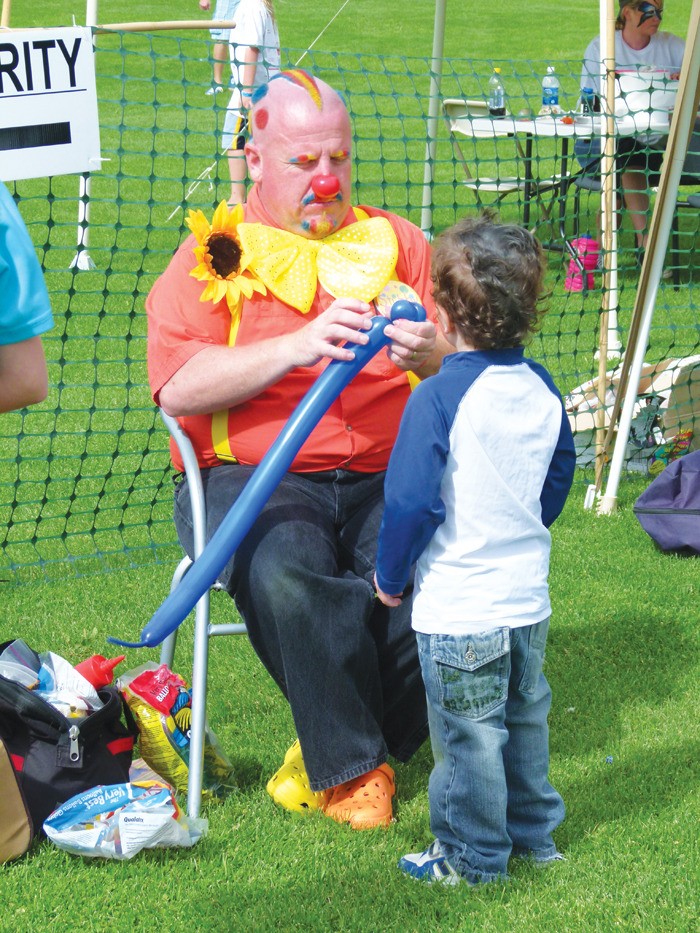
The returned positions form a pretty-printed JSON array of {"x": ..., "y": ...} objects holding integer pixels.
[{"x": 118, "y": 820}]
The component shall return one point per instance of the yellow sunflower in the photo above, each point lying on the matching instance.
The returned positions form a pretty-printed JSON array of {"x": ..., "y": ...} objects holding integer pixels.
[{"x": 222, "y": 261}]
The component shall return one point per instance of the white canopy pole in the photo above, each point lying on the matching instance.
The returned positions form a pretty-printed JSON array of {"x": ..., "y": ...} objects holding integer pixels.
[
  {"x": 687, "y": 103},
  {"x": 426, "y": 222},
  {"x": 82, "y": 259},
  {"x": 612, "y": 347},
  {"x": 608, "y": 212}
]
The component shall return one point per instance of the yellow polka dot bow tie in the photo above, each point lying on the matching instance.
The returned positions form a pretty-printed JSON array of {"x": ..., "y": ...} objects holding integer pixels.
[{"x": 357, "y": 261}]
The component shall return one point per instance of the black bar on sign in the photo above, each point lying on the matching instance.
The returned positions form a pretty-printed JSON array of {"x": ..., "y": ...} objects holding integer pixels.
[{"x": 34, "y": 137}]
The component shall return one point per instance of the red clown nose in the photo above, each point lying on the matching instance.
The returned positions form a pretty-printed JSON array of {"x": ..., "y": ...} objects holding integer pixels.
[{"x": 325, "y": 187}]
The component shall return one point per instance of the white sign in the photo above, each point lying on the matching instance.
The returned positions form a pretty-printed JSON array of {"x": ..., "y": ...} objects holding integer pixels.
[{"x": 48, "y": 103}]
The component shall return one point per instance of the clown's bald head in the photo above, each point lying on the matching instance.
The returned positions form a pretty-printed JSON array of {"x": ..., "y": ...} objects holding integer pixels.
[{"x": 299, "y": 153}]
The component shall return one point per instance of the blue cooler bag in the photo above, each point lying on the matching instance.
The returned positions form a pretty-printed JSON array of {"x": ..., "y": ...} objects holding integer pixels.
[{"x": 669, "y": 509}]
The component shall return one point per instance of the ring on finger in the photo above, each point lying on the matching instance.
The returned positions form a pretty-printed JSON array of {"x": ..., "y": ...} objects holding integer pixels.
[{"x": 414, "y": 356}]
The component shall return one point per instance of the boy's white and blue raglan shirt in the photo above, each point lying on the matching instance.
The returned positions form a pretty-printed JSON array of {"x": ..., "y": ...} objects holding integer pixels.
[
  {"x": 482, "y": 465},
  {"x": 25, "y": 309}
]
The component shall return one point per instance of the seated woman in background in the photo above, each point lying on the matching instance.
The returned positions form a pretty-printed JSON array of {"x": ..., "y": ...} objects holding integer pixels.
[{"x": 638, "y": 42}]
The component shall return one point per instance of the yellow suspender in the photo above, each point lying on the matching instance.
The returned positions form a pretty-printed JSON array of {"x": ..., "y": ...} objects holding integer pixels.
[{"x": 219, "y": 420}]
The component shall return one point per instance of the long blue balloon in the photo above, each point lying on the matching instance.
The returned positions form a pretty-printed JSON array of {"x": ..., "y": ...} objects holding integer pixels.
[{"x": 269, "y": 473}]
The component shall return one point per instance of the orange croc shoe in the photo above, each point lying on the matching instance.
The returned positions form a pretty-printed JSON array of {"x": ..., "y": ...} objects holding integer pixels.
[
  {"x": 289, "y": 787},
  {"x": 364, "y": 802}
]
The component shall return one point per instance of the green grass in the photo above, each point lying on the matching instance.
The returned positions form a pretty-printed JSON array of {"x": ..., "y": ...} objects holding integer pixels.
[
  {"x": 623, "y": 665},
  {"x": 85, "y": 488},
  {"x": 85, "y": 475}
]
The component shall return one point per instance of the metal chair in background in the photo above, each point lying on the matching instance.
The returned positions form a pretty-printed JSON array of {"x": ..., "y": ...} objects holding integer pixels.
[
  {"x": 468, "y": 123},
  {"x": 203, "y": 628}
]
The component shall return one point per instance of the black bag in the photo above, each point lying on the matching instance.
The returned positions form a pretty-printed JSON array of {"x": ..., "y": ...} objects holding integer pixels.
[
  {"x": 55, "y": 757},
  {"x": 669, "y": 508}
]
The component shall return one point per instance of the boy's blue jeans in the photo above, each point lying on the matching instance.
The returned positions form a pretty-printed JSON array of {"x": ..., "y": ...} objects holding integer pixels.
[
  {"x": 302, "y": 580},
  {"x": 488, "y": 702}
]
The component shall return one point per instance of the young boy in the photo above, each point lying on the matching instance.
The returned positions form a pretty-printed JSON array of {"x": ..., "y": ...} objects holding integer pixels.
[{"x": 482, "y": 466}]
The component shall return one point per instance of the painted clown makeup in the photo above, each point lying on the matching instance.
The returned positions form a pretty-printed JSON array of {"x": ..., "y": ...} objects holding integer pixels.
[
  {"x": 303, "y": 80},
  {"x": 339, "y": 156},
  {"x": 299, "y": 155}
]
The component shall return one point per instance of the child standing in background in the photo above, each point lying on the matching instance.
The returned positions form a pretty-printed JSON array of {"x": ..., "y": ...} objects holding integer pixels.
[
  {"x": 482, "y": 466},
  {"x": 223, "y": 12},
  {"x": 255, "y": 58}
]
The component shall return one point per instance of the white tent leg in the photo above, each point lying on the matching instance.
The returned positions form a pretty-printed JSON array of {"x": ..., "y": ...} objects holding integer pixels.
[
  {"x": 426, "y": 222},
  {"x": 662, "y": 218},
  {"x": 82, "y": 260}
]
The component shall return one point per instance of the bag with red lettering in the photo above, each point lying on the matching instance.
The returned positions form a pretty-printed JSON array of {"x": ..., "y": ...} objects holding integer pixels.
[{"x": 161, "y": 703}]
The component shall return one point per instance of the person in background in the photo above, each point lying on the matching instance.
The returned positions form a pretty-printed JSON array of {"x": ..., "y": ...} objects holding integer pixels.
[
  {"x": 25, "y": 313},
  {"x": 255, "y": 58},
  {"x": 481, "y": 468},
  {"x": 223, "y": 12},
  {"x": 638, "y": 42},
  {"x": 301, "y": 272}
]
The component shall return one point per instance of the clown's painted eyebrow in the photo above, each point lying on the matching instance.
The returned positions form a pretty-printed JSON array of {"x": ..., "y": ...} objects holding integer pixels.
[{"x": 340, "y": 155}]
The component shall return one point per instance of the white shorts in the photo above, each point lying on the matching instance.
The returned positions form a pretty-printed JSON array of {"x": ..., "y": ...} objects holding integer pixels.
[
  {"x": 234, "y": 133},
  {"x": 223, "y": 12}
]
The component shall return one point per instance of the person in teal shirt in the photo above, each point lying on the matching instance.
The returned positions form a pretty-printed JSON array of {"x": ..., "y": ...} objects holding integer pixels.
[{"x": 25, "y": 313}]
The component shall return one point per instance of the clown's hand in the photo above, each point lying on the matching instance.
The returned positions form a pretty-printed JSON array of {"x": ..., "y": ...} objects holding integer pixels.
[
  {"x": 412, "y": 343},
  {"x": 390, "y": 601},
  {"x": 347, "y": 320}
]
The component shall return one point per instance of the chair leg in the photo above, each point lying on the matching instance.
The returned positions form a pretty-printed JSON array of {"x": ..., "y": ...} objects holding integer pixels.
[
  {"x": 199, "y": 706},
  {"x": 675, "y": 251},
  {"x": 577, "y": 209},
  {"x": 167, "y": 650}
]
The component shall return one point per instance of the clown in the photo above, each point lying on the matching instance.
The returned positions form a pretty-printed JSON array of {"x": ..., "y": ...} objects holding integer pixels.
[{"x": 293, "y": 288}]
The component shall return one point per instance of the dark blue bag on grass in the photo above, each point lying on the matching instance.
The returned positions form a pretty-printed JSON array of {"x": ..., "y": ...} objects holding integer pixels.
[{"x": 669, "y": 509}]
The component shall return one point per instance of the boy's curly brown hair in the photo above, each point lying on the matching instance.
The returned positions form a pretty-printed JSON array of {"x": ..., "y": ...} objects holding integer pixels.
[{"x": 487, "y": 277}]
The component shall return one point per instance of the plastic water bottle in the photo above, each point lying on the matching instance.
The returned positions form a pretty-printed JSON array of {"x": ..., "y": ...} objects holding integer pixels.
[
  {"x": 586, "y": 104},
  {"x": 497, "y": 95},
  {"x": 550, "y": 90}
]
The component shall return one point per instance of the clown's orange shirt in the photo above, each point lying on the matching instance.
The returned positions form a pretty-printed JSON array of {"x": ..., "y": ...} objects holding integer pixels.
[{"x": 358, "y": 430}]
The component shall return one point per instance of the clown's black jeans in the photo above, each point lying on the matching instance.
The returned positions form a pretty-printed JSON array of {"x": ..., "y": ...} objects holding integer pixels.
[{"x": 302, "y": 581}]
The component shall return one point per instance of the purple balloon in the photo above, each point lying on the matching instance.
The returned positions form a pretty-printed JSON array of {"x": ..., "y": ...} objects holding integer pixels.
[{"x": 275, "y": 464}]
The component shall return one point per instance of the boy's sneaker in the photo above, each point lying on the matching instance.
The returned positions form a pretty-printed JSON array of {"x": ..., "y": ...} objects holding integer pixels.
[
  {"x": 430, "y": 866},
  {"x": 214, "y": 89}
]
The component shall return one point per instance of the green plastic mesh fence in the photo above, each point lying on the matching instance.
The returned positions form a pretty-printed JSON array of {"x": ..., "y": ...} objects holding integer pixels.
[{"x": 85, "y": 477}]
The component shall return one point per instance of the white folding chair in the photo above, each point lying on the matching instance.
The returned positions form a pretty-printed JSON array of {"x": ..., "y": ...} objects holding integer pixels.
[
  {"x": 203, "y": 629},
  {"x": 466, "y": 120}
]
